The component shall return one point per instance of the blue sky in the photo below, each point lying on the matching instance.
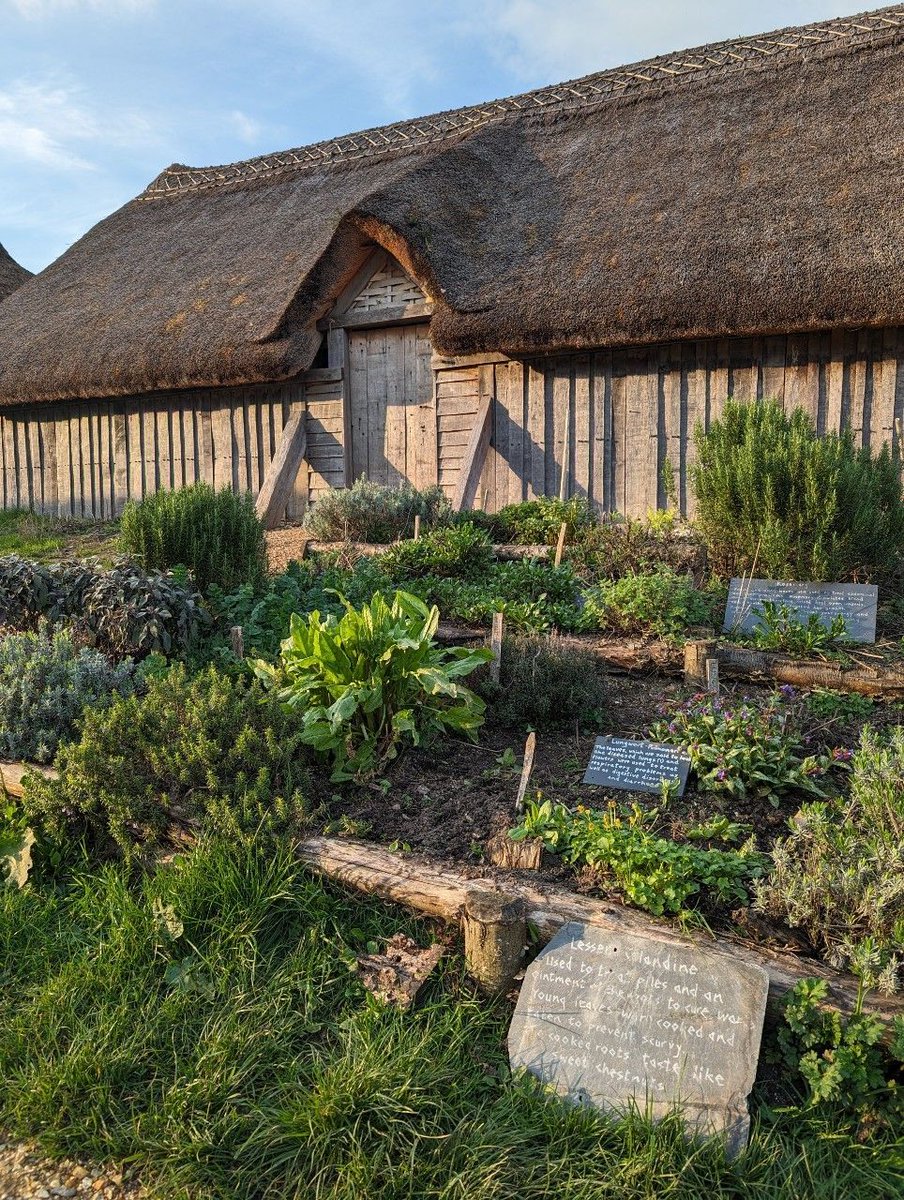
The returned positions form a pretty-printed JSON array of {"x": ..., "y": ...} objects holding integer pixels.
[{"x": 98, "y": 96}]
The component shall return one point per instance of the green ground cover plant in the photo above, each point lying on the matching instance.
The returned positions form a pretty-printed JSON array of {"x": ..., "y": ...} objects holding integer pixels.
[
  {"x": 370, "y": 512},
  {"x": 215, "y": 535},
  {"x": 363, "y": 685},
  {"x": 622, "y": 845},
  {"x": 201, "y": 1022},
  {"x": 45, "y": 685},
  {"x": 838, "y": 875},
  {"x": 777, "y": 499},
  {"x": 742, "y": 748},
  {"x": 461, "y": 552},
  {"x": 660, "y": 603},
  {"x": 538, "y": 522},
  {"x": 202, "y": 752},
  {"x": 122, "y": 610},
  {"x": 544, "y": 683},
  {"x": 25, "y": 533}
]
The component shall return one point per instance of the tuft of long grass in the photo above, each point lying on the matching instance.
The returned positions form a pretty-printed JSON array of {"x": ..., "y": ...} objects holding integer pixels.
[{"x": 202, "y": 1022}]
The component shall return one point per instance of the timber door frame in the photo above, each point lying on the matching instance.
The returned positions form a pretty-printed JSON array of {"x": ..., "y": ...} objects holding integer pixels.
[{"x": 340, "y": 320}]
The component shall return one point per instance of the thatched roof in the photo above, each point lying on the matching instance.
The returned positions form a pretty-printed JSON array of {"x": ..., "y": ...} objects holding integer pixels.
[
  {"x": 11, "y": 274},
  {"x": 750, "y": 187}
]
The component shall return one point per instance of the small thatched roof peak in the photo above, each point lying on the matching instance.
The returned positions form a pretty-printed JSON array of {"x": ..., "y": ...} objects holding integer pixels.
[
  {"x": 12, "y": 275},
  {"x": 749, "y": 187}
]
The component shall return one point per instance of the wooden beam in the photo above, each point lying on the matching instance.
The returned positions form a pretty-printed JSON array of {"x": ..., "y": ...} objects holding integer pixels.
[
  {"x": 337, "y": 357},
  {"x": 330, "y": 374},
  {"x": 433, "y": 888},
  {"x": 475, "y": 456},
  {"x": 440, "y": 362},
  {"x": 279, "y": 480},
  {"x": 374, "y": 262},
  {"x": 372, "y": 318}
]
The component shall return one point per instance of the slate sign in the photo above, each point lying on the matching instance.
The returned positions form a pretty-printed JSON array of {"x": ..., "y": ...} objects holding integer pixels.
[
  {"x": 856, "y": 602},
  {"x": 609, "y": 1019},
  {"x": 635, "y": 766}
]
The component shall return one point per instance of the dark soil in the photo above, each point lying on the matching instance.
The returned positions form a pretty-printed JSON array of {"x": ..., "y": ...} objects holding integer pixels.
[{"x": 449, "y": 800}]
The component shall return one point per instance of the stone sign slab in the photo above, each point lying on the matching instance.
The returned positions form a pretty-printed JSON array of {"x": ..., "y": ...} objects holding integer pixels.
[
  {"x": 636, "y": 766},
  {"x": 856, "y": 602},
  {"x": 618, "y": 1019}
]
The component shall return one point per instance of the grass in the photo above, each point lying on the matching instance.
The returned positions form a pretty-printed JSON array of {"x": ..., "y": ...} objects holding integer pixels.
[
  {"x": 41, "y": 538},
  {"x": 202, "y": 1023}
]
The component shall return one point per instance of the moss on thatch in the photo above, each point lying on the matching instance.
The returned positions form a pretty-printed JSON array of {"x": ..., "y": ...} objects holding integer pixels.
[{"x": 745, "y": 188}]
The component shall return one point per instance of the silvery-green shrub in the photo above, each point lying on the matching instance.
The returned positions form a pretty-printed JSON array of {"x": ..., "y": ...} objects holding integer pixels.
[{"x": 45, "y": 685}]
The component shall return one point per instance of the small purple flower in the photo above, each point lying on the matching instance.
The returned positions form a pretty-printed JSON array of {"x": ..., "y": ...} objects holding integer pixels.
[
  {"x": 788, "y": 690},
  {"x": 721, "y": 775},
  {"x": 840, "y": 754}
]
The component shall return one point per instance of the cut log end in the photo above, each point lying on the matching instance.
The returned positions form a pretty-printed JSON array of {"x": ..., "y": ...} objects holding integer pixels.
[{"x": 495, "y": 933}]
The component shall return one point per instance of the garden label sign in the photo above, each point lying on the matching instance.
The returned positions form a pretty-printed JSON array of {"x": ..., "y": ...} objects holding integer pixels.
[
  {"x": 856, "y": 602},
  {"x": 616, "y": 1019},
  {"x": 636, "y": 766}
]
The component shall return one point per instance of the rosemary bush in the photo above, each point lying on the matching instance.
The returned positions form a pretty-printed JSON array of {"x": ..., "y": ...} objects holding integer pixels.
[
  {"x": 216, "y": 535},
  {"x": 775, "y": 497}
]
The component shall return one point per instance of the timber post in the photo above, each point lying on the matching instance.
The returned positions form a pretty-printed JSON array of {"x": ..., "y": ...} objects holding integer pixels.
[
  {"x": 696, "y": 656},
  {"x": 495, "y": 932}
]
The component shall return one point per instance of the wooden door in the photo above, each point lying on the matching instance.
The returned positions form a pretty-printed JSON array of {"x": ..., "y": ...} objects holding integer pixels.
[{"x": 392, "y": 405}]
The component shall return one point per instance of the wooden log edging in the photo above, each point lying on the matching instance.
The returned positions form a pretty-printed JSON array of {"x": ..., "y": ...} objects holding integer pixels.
[
  {"x": 884, "y": 679},
  {"x": 436, "y": 890}
]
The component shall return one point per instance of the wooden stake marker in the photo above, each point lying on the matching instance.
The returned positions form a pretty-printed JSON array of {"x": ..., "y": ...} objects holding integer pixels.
[
  {"x": 560, "y": 546},
  {"x": 495, "y": 932},
  {"x": 529, "y": 747},
  {"x": 417, "y": 526},
  {"x": 237, "y": 641},
  {"x": 496, "y": 645}
]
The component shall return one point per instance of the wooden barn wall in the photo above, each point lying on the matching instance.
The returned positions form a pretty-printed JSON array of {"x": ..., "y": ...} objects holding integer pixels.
[
  {"x": 87, "y": 459},
  {"x": 629, "y": 414},
  {"x": 625, "y": 416}
]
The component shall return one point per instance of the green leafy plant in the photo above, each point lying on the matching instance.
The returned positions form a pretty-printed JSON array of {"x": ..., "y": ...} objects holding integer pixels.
[
  {"x": 538, "y": 522},
  {"x": 660, "y": 603},
  {"x": 838, "y": 875},
  {"x": 830, "y": 705},
  {"x": 544, "y": 683},
  {"x": 210, "y": 752},
  {"x": 775, "y": 496},
  {"x": 743, "y": 749},
  {"x": 122, "y": 610},
  {"x": 616, "y": 547},
  {"x": 654, "y": 872},
  {"x": 370, "y": 512},
  {"x": 461, "y": 552},
  {"x": 217, "y": 536},
  {"x": 780, "y": 628},
  {"x": 371, "y": 680},
  {"x": 841, "y": 1060},
  {"x": 45, "y": 684}
]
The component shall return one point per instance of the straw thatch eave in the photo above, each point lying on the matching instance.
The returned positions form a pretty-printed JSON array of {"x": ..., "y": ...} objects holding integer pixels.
[
  {"x": 12, "y": 276},
  {"x": 748, "y": 188}
]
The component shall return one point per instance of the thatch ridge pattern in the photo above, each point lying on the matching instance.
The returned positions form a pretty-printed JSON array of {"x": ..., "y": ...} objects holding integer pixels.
[{"x": 739, "y": 53}]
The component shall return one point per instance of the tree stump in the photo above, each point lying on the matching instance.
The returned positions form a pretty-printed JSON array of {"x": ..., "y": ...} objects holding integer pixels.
[
  {"x": 695, "y": 658},
  {"x": 495, "y": 929}
]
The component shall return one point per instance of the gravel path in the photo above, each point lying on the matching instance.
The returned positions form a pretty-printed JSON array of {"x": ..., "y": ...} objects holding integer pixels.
[{"x": 26, "y": 1174}]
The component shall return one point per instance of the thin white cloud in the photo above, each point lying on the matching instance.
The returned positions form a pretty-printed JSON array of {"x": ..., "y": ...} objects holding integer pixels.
[
  {"x": 560, "y": 41},
  {"x": 50, "y": 123},
  {"x": 246, "y": 127},
  {"x": 41, "y": 9}
]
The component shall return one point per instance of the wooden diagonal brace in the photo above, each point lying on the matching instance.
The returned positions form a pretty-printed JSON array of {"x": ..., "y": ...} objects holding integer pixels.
[{"x": 276, "y": 490}]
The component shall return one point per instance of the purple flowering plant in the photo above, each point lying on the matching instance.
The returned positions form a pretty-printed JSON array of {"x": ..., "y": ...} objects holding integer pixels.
[{"x": 747, "y": 749}]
